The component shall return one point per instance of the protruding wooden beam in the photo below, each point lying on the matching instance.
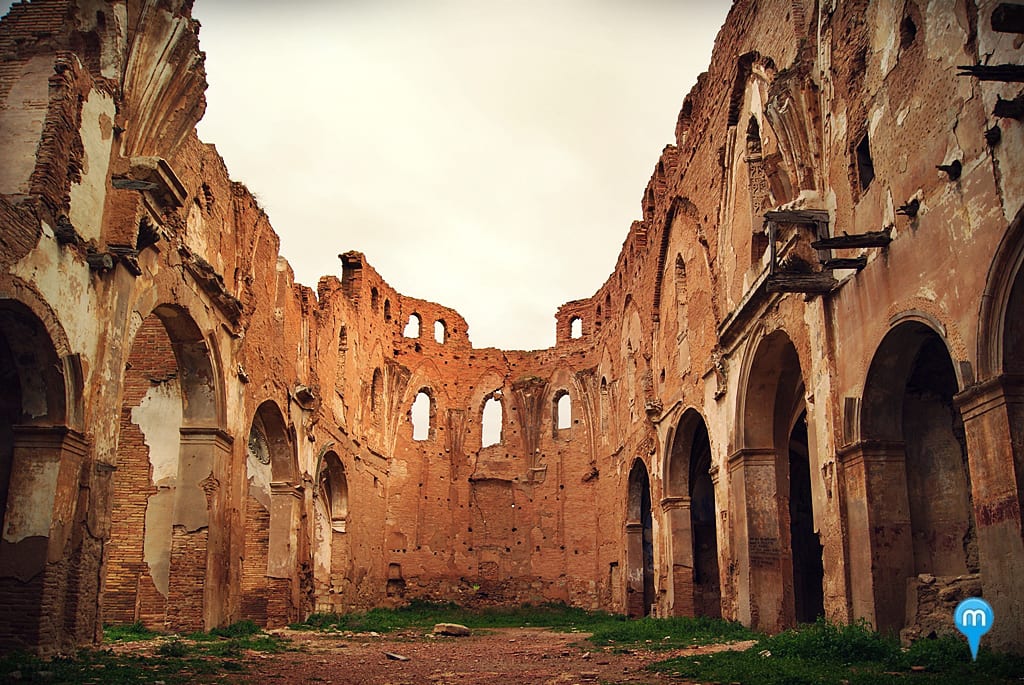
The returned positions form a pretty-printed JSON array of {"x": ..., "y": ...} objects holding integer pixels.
[
  {"x": 797, "y": 216},
  {"x": 869, "y": 239},
  {"x": 857, "y": 263},
  {"x": 1007, "y": 73},
  {"x": 816, "y": 282}
]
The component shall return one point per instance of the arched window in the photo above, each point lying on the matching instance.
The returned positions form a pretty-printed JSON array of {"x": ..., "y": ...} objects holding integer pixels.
[
  {"x": 387, "y": 309},
  {"x": 412, "y": 329},
  {"x": 604, "y": 406},
  {"x": 421, "y": 415},
  {"x": 334, "y": 491},
  {"x": 576, "y": 327},
  {"x": 492, "y": 419},
  {"x": 561, "y": 411},
  {"x": 374, "y": 299},
  {"x": 376, "y": 392},
  {"x": 440, "y": 331}
]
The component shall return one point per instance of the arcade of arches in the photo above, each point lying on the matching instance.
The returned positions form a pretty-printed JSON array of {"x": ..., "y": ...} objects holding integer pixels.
[{"x": 799, "y": 393}]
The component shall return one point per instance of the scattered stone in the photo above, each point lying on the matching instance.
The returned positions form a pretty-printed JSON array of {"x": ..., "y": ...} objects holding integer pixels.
[
  {"x": 396, "y": 657},
  {"x": 586, "y": 655},
  {"x": 589, "y": 676},
  {"x": 454, "y": 629}
]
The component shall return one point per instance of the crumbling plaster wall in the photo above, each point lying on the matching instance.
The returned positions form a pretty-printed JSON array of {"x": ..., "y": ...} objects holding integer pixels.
[{"x": 114, "y": 211}]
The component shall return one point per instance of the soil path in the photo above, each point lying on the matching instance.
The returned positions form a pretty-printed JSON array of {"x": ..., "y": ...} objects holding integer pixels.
[{"x": 509, "y": 656}]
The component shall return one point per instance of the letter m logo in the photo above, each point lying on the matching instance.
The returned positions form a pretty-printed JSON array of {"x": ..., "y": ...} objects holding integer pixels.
[{"x": 973, "y": 618}]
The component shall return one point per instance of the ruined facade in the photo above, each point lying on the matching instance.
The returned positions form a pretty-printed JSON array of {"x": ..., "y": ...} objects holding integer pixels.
[{"x": 799, "y": 393}]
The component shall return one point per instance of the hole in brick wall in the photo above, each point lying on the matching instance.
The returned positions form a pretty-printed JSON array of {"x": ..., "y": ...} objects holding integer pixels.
[
  {"x": 440, "y": 332},
  {"x": 387, "y": 310},
  {"x": 908, "y": 32},
  {"x": 865, "y": 165},
  {"x": 576, "y": 327},
  {"x": 374, "y": 298}
]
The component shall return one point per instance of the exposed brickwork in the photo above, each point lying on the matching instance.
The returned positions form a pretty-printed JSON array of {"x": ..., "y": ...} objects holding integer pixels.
[{"x": 821, "y": 406}]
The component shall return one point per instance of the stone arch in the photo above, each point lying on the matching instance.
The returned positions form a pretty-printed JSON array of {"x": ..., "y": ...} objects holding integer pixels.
[
  {"x": 781, "y": 561},
  {"x": 993, "y": 416},
  {"x": 1001, "y": 302},
  {"x": 639, "y": 542},
  {"x": 332, "y": 520},
  {"x": 271, "y": 509},
  {"x": 41, "y": 456},
  {"x": 690, "y": 511},
  {"x": 172, "y": 457},
  {"x": 916, "y": 474}
]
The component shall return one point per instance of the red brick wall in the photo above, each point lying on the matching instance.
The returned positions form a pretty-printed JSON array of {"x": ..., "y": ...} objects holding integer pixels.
[
  {"x": 127, "y": 574},
  {"x": 254, "y": 565}
]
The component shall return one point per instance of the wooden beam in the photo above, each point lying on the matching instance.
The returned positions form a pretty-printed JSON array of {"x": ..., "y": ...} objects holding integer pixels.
[
  {"x": 870, "y": 239},
  {"x": 793, "y": 282},
  {"x": 1007, "y": 73},
  {"x": 857, "y": 263},
  {"x": 1008, "y": 18},
  {"x": 798, "y": 216}
]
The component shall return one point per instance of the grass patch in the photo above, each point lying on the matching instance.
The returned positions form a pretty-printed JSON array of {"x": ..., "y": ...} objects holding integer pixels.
[
  {"x": 671, "y": 633},
  {"x": 129, "y": 632},
  {"x": 854, "y": 654},
  {"x": 196, "y": 658},
  {"x": 606, "y": 629}
]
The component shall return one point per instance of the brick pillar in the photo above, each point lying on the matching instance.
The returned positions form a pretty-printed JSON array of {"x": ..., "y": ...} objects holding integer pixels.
[
  {"x": 34, "y": 548},
  {"x": 634, "y": 569},
  {"x": 204, "y": 593},
  {"x": 282, "y": 558},
  {"x": 881, "y": 549},
  {"x": 677, "y": 514},
  {"x": 757, "y": 546},
  {"x": 993, "y": 415}
]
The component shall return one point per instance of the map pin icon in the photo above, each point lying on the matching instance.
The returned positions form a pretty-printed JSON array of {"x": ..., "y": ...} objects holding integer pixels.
[{"x": 973, "y": 617}]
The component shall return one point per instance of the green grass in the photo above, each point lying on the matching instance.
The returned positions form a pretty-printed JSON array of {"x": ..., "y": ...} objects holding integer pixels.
[
  {"x": 852, "y": 654},
  {"x": 194, "y": 658},
  {"x": 607, "y": 629},
  {"x": 130, "y": 632}
]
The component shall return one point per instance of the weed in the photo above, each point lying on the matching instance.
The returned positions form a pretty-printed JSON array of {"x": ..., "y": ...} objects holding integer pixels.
[{"x": 130, "y": 632}]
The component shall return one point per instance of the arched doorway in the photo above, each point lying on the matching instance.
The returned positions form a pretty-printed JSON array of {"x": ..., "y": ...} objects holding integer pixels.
[
  {"x": 40, "y": 470},
  {"x": 690, "y": 509},
  {"x": 921, "y": 494},
  {"x": 332, "y": 554},
  {"x": 168, "y": 550},
  {"x": 639, "y": 543},
  {"x": 268, "y": 567},
  {"x": 782, "y": 572}
]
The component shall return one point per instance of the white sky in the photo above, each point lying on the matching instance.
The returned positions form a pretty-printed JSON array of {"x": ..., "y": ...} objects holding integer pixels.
[{"x": 488, "y": 155}]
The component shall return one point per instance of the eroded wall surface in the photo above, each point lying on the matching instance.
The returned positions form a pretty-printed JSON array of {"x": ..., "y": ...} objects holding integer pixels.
[{"x": 785, "y": 402}]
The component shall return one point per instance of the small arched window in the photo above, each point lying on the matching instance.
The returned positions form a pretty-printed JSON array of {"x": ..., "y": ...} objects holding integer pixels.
[
  {"x": 562, "y": 411},
  {"x": 440, "y": 331},
  {"x": 412, "y": 329},
  {"x": 334, "y": 491},
  {"x": 376, "y": 392},
  {"x": 387, "y": 309},
  {"x": 492, "y": 420},
  {"x": 374, "y": 298},
  {"x": 421, "y": 415},
  {"x": 576, "y": 327}
]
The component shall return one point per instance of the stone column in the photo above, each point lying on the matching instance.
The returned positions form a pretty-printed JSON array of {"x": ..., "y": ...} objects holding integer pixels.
[
  {"x": 201, "y": 558},
  {"x": 46, "y": 469},
  {"x": 993, "y": 415},
  {"x": 634, "y": 569},
  {"x": 282, "y": 560},
  {"x": 757, "y": 545},
  {"x": 677, "y": 515},
  {"x": 881, "y": 549}
]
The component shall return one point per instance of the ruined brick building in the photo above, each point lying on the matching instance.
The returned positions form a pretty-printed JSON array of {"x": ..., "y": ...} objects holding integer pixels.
[{"x": 799, "y": 392}]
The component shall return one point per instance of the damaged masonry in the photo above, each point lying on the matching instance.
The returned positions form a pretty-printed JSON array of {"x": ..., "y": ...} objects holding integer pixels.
[{"x": 800, "y": 392}]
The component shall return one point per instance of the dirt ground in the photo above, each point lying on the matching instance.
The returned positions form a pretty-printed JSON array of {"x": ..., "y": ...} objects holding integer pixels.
[{"x": 508, "y": 656}]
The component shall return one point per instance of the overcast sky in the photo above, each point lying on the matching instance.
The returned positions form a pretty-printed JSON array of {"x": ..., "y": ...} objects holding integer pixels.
[{"x": 488, "y": 155}]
